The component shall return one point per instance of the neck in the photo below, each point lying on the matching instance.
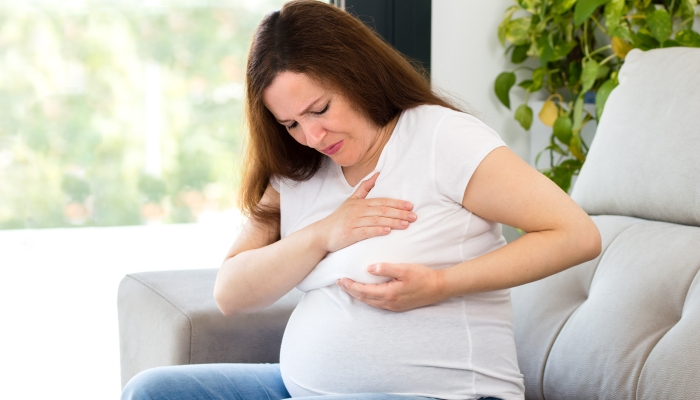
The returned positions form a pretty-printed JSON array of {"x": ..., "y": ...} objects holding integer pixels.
[{"x": 354, "y": 173}]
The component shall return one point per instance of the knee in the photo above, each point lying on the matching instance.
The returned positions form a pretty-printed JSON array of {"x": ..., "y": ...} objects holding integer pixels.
[{"x": 151, "y": 384}]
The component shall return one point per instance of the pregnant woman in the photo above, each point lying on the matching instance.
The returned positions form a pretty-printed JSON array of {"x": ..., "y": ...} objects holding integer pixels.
[{"x": 383, "y": 202}]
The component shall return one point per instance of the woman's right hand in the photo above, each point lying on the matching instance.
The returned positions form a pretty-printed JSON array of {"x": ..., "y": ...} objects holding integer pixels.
[{"x": 359, "y": 218}]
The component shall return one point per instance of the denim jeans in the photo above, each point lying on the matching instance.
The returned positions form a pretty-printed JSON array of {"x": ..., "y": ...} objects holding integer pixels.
[{"x": 225, "y": 381}]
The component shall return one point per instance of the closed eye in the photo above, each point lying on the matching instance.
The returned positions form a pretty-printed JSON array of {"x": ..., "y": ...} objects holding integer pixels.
[
  {"x": 324, "y": 109},
  {"x": 295, "y": 124}
]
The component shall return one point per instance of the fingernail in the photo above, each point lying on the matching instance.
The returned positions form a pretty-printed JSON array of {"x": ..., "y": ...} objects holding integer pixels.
[
  {"x": 404, "y": 223},
  {"x": 371, "y": 268},
  {"x": 387, "y": 229},
  {"x": 407, "y": 205},
  {"x": 413, "y": 215}
]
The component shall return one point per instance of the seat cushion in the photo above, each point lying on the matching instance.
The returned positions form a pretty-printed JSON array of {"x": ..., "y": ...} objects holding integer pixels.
[{"x": 624, "y": 325}]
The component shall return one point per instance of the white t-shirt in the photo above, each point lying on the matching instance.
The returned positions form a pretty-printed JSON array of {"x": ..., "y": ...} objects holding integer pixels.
[{"x": 461, "y": 348}]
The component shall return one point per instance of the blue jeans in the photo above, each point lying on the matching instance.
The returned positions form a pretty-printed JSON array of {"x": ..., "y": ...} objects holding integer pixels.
[{"x": 226, "y": 381}]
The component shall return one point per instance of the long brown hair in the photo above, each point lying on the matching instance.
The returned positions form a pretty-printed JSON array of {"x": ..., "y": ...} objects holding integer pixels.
[{"x": 332, "y": 47}]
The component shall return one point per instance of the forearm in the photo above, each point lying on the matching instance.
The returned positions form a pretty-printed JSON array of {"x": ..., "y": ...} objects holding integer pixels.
[
  {"x": 531, "y": 257},
  {"x": 254, "y": 279}
]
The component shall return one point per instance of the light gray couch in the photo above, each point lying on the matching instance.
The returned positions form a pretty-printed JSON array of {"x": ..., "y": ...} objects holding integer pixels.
[{"x": 625, "y": 325}]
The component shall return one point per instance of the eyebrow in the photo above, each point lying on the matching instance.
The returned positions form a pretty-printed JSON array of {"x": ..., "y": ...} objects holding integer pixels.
[{"x": 310, "y": 106}]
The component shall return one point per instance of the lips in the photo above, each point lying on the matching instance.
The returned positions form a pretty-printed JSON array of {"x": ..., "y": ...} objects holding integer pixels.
[{"x": 332, "y": 149}]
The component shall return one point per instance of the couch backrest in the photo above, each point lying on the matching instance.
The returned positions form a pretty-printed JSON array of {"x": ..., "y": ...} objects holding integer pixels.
[
  {"x": 645, "y": 159},
  {"x": 627, "y": 324}
]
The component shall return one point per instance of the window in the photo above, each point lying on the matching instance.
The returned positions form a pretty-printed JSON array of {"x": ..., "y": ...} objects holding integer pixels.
[
  {"x": 121, "y": 112},
  {"x": 111, "y": 113}
]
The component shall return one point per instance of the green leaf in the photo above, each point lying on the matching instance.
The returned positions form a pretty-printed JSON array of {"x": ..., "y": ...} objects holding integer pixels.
[
  {"x": 525, "y": 84},
  {"x": 645, "y": 42},
  {"x": 561, "y": 50},
  {"x": 575, "y": 146},
  {"x": 544, "y": 49},
  {"x": 589, "y": 74},
  {"x": 529, "y": 5},
  {"x": 688, "y": 38},
  {"x": 603, "y": 72},
  {"x": 584, "y": 9},
  {"x": 519, "y": 54},
  {"x": 613, "y": 15},
  {"x": 561, "y": 174},
  {"x": 670, "y": 43},
  {"x": 562, "y": 129},
  {"x": 517, "y": 31},
  {"x": 578, "y": 113},
  {"x": 602, "y": 96},
  {"x": 562, "y": 6},
  {"x": 687, "y": 10},
  {"x": 503, "y": 26},
  {"x": 556, "y": 79},
  {"x": 622, "y": 32},
  {"x": 659, "y": 23},
  {"x": 524, "y": 115},
  {"x": 537, "y": 79},
  {"x": 504, "y": 82},
  {"x": 540, "y": 26},
  {"x": 574, "y": 73}
]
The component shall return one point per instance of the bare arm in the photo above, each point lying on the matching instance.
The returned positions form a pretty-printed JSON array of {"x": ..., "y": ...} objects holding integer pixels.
[
  {"x": 559, "y": 234},
  {"x": 258, "y": 270},
  {"x": 502, "y": 189}
]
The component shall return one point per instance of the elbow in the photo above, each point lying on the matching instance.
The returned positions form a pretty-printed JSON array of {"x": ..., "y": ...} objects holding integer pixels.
[
  {"x": 224, "y": 307},
  {"x": 223, "y": 302},
  {"x": 224, "y": 298},
  {"x": 589, "y": 241},
  {"x": 228, "y": 303}
]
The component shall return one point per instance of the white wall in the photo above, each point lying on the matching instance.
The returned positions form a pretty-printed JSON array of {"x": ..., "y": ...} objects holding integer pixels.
[{"x": 466, "y": 57}]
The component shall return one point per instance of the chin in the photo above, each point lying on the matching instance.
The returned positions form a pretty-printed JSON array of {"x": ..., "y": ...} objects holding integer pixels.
[{"x": 343, "y": 161}]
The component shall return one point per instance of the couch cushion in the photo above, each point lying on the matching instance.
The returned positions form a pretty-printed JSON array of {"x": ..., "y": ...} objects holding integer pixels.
[
  {"x": 645, "y": 159},
  {"x": 171, "y": 318},
  {"x": 624, "y": 325}
]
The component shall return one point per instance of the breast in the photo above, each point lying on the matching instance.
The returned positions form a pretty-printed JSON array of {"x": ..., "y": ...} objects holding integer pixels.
[{"x": 434, "y": 240}]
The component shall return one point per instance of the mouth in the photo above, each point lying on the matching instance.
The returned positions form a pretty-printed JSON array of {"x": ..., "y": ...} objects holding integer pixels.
[{"x": 332, "y": 149}]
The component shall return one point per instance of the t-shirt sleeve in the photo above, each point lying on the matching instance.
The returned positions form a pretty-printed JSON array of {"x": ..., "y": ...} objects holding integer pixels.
[{"x": 461, "y": 143}]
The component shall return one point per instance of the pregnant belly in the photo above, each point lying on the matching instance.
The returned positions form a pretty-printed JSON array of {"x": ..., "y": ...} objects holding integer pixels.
[{"x": 334, "y": 344}]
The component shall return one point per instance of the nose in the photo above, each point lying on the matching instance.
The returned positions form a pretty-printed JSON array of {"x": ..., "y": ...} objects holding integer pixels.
[{"x": 313, "y": 133}]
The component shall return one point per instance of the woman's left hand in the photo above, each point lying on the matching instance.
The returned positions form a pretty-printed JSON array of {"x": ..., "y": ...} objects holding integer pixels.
[{"x": 411, "y": 286}]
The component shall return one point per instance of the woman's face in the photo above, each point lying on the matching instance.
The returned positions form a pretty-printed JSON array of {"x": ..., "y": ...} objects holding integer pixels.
[{"x": 320, "y": 118}]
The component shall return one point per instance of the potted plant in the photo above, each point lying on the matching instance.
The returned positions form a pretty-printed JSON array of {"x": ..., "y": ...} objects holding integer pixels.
[{"x": 579, "y": 46}]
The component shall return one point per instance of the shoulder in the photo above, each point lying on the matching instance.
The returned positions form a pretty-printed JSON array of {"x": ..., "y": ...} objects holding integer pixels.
[
  {"x": 443, "y": 121},
  {"x": 438, "y": 115}
]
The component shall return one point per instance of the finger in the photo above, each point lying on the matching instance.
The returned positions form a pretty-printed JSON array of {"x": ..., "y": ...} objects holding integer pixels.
[
  {"x": 393, "y": 203},
  {"x": 389, "y": 212},
  {"x": 367, "y": 232},
  {"x": 365, "y": 187},
  {"x": 395, "y": 271},
  {"x": 362, "y": 291},
  {"x": 392, "y": 223}
]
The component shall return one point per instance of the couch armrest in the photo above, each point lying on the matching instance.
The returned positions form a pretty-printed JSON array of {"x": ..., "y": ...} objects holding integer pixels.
[{"x": 170, "y": 318}]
